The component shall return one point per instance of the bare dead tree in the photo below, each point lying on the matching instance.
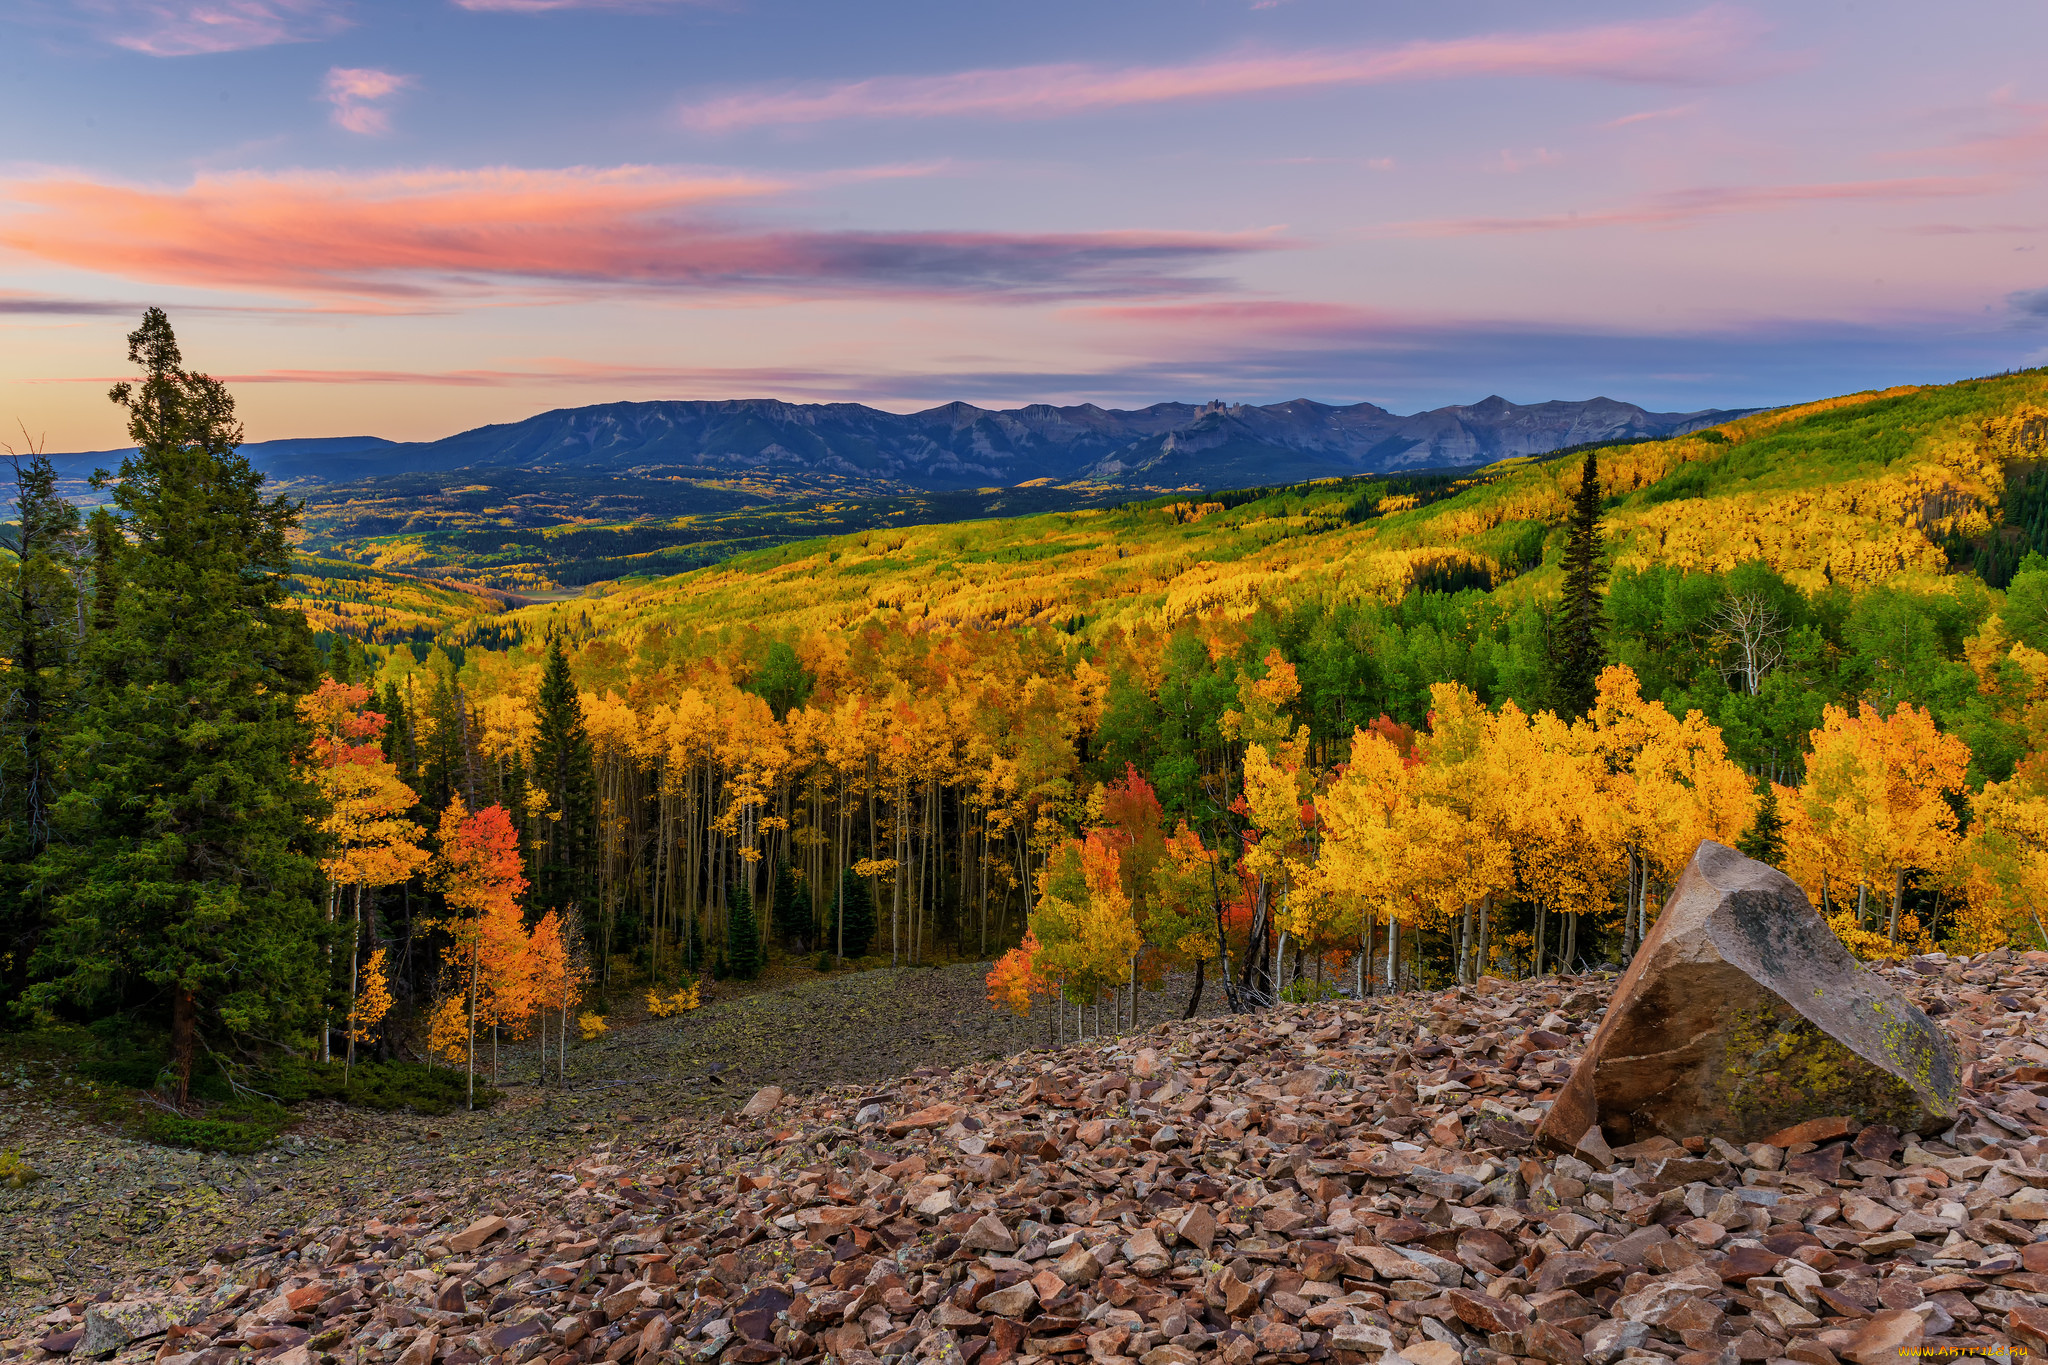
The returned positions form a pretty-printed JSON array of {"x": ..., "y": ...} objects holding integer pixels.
[{"x": 1753, "y": 631}]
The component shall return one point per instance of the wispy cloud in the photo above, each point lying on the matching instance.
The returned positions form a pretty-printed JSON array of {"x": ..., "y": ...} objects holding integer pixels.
[
  {"x": 16, "y": 302},
  {"x": 1688, "y": 206},
  {"x": 188, "y": 28},
  {"x": 545, "y": 6},
  {"x": 2031, "y": 302},
  {"x": 358, "y": 94},
  {"x": 1690, "y": 50},
  {"x": 1652, "y": 116},
  {"x": 479, "y": 237}
]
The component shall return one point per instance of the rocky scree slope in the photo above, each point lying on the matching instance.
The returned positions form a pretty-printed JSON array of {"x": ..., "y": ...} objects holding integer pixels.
[{"x": 1347, "y": 1183}]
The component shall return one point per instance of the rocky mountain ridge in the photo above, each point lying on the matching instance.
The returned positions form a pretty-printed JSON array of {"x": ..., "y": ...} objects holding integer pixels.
[{"x": 958, "y": 445}]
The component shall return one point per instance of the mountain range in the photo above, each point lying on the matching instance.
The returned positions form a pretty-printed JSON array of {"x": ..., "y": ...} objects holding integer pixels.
[{"x": 960, "y": 446}]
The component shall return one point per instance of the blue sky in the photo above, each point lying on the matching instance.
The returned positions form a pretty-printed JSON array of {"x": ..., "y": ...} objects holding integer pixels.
[{"x": 406, "y": 220}]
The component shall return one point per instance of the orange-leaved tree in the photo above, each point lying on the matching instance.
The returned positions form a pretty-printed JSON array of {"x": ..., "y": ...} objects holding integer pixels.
[
  {"x": 479, "y": 876},
  {"x": 1015, "y": 979},
  {"x": 371, "y": 841}
]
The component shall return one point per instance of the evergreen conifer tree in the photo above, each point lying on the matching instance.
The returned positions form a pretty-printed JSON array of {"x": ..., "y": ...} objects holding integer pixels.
[
  {"x": 1764, "y": 840},
  {"x": 563, "y": 767},
  {"x": 1577, "y": 648},
  {"x": 182, "y": 866},
  {"x": 792, "y": 908},
  {"x": 104, "y": 531},
  {"x": 39, "y": 639},
  {"x": 854, "y": 926},
  {"x": 743, "y": 957}
]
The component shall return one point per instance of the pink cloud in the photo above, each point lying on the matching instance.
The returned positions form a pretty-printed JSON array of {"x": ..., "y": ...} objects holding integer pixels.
[
  {"x": 469, "y": 237},
  {"x": 545, "y": 6},
  {"x": 2024, "y": 142},
  {"x": 1688, "y": 206},
  {"x": 357, "y": 94},
  {"x": 1652, "y": 116},
  {"x": 1689, "y": 50},
  {"x": 1237, "y": 316},
  {"x": 550, "y": 371},
  {"x": 186, "y": 28}
]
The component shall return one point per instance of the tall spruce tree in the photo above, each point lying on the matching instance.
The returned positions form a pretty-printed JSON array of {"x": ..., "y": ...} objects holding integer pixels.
[
  {"x": 792, "y": 908},
  {"x": 39, "y": 640},
  {"x": 853, "y": 927},
  {"x": 563, "y": 768},
  {"x": 1764, "y": 840},
  {"x": 743, "y": 956},
  {"x": 1577, "y": 646},
  {"x": 182, "y": 868}
]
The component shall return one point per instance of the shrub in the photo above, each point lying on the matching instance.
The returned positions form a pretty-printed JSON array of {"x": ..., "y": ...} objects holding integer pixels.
[{"x": 373, "y": 1085}]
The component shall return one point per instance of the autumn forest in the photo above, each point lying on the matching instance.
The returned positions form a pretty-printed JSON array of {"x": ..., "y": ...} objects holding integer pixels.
[{"x": 1352, "y": 736}]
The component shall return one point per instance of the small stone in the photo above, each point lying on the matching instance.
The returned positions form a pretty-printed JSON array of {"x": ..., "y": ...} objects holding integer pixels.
[
  {"x": 475, "y": 1235},
  {"x": 1146, "y": 1256},
  {"x": 111, "y": 1326},
  {"x": 1077, "y": 1266},
  {"x": 1431, "y": 1353},
  {"x": 1607, "y": 1341},
  {"x": 1812, "y": 1130},
  {"x": 1484, "y": 1313},
  {"x": 1886, "y": 1339},
  {"x": 1166, "y": 1139},
  {"x": 2029, "y": 1327},
  {"x": 1363, "y": 1337},
  {"x": 1548, "y": 1341},
  {"x": 763, "y": 1103},
  {"x": 989, "y": 1234},
  {"x": 1197, "y": 1226},
  {"x": 1013, "y": 1302}
]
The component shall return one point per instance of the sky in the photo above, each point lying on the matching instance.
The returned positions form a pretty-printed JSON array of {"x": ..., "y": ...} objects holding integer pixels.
[{"x": 409, "y": 219}]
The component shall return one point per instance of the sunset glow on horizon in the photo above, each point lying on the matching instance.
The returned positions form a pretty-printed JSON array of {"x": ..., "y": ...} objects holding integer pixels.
[{"x": 407, "y": 220}]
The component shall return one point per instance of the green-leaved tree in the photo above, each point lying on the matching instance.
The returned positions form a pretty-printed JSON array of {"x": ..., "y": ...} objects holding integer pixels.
[
  {"x": 563, "y": 767},
  {"x": 182, "y": 864},
  {"x": 1578, "y": 649},
  {"x": 39, "y": 640}
]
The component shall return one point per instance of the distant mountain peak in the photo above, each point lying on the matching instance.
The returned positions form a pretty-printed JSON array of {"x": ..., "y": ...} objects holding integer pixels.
[{"x": 1212, "y": 444}]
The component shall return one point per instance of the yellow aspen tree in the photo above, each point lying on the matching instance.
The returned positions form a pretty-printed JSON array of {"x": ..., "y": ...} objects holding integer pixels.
[
  {"x": 1875, "y": 805},
  {"x": 2002, "y": 867}
]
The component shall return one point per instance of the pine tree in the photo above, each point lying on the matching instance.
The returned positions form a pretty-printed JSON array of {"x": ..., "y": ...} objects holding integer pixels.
[
  {"x": 563, "y": 768},
  {"x": 854, "y": 924},
  {"x": 1764, "y": 840},
  {"x": 39, "y": 638},
  {"x": 1577, "y": 652},
  {"x": 104, "y": 530},
  {"x": 742, "y": 935},
  {"x": 792, "y": 908},
  {"x": 183, "y": 850}
]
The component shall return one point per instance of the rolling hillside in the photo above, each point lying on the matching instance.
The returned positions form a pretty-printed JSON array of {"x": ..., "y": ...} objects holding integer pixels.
[{"x": 1856, "y": 489}]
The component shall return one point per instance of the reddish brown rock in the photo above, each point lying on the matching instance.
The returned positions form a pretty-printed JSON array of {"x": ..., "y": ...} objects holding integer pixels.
[
  {"x": 476, "y": 1234},
  {"x": 1742, "y": 1014},
  {"x": 1813, "y": 1130}
]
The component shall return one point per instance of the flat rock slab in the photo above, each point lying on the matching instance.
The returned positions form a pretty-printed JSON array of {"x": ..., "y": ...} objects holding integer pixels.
[{"x": 1743, "y": 1015}]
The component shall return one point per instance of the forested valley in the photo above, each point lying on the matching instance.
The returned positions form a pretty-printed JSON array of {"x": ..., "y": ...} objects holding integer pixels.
[{"x": 1271, "y": 746}]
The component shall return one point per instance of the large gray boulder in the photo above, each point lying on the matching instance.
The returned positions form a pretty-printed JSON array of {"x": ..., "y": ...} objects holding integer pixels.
[{"x": 1743, "y": 1014}]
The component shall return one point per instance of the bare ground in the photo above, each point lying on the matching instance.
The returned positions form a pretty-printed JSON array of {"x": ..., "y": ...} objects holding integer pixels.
[{"x": 109, "y": 1208}]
